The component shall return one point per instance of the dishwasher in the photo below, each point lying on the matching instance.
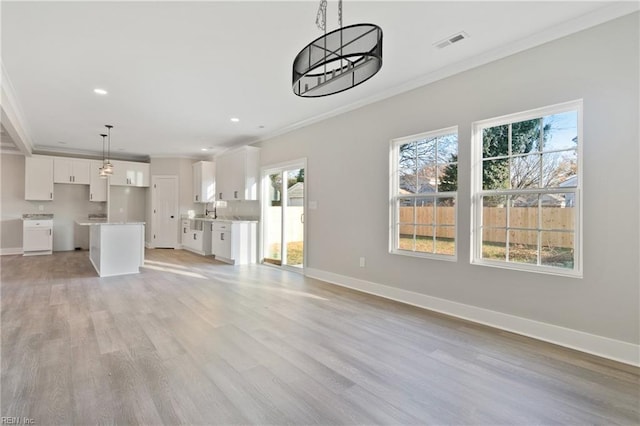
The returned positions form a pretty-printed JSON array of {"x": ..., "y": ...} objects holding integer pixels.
[{"x": 37, "y": 236}]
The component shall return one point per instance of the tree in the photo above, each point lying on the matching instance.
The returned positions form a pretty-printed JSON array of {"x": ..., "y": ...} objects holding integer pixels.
[{"x": 525, "y": 171}]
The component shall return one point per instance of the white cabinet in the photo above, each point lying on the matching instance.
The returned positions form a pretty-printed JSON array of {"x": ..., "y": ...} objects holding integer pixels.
[
  {"x": 237, "y": 174},
  {"x": 204, "y": 187},
  {"x": 221, "y": 239},
  {"x": 234, "y": 242},
  {"x": 196, "y": 237},
  {"x": 129, "y": 173},
  {"x": 71, "y": 170},
  {"x": 38, "y": 178},
  {"x": 97, "y": 184},
  {"x": 37, "y": 237}
]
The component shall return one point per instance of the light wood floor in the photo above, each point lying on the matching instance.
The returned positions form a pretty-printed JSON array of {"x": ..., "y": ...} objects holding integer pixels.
[{"x": 192, "y": 341}]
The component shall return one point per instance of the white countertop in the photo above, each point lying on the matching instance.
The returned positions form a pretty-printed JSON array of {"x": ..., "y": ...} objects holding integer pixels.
[{"x": 86, "y": 222}]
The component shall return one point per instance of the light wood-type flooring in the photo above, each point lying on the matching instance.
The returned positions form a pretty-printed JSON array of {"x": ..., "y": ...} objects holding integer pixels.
[{"x": 193, "y": 341}]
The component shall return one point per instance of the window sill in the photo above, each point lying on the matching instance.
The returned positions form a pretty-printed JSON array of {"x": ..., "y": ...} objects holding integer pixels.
[
  {"x": 432, "y": 256},
  {"x": 548, "y": 270}
]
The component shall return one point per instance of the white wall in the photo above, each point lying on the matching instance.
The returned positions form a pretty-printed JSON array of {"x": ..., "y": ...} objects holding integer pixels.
[
  {"x": 348, "y": 171},
  {"x": 70, "y": 202}
]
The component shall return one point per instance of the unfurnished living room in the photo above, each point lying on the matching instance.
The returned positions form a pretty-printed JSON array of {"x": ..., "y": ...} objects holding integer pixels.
[{"x": 320, "y": 212}]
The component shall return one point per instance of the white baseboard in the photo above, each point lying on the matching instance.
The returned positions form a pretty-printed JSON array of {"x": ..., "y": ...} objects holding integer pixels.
[
  {"x": 6, "y": 251},
  {"x": 605, "y": 347}
]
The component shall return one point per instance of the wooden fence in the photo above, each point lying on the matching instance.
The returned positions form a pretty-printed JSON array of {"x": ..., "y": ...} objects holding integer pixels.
[{"x": 520, "y": 217}]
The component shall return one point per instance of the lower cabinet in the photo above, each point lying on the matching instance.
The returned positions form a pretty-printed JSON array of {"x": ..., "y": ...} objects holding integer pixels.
[
  {"x": 234, "y": 241},
  {"x": 195, "y": 238}
]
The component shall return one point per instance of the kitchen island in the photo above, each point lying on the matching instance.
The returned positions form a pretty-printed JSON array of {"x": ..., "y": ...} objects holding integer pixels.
[{"x": 115, "y": 248}]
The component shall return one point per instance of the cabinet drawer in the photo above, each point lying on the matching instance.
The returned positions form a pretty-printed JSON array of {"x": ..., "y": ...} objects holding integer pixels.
[
  {"x": 221, "y": 227},
  {"x": 38, "y": 223}
]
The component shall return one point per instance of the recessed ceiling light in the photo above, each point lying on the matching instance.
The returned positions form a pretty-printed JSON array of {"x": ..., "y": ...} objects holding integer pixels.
[
  {"x": 204, "y": 149},
  {"x": 235, "y": 119},
  {"x": 100, "y": 91},
  {"x": 260, "y": 127}
]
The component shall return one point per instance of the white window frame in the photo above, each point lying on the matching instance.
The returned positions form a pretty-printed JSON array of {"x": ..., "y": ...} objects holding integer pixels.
[
  {"x": 477, "y": 192},
  {"x": 394, "y": 184}
]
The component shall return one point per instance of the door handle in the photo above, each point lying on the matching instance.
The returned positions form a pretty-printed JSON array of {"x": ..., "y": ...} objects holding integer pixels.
[
  {"x": 222, "y": 236},
  {"x": 184, "y": 230},
  {"x": 302, "y": 218},
  {"x": 51, "y": 195},
  {"x": 194, "y": 236},
  {"x": 49, "y": 231},
  {"x": 235, "y": 194},
  {"x": 91, "y": 196},
  {"x": 196, "y": 198},
  {"x": 220, "y": 197}
]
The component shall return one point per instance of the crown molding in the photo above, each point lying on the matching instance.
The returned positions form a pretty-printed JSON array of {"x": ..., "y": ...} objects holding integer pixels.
[
  {"x": 591, "y": 19},
  {"x": 12, "y": 116}
]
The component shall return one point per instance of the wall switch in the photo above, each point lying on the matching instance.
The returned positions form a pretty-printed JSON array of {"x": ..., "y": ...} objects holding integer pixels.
[
  {"x": 362, "y": 262},
  {"x": 41, "y": 207}
]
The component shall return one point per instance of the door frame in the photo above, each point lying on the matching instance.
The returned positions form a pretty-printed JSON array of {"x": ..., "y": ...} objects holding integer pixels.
[
  {"x": 154, "y": 224},
  {"x": 265, "y": 171}
]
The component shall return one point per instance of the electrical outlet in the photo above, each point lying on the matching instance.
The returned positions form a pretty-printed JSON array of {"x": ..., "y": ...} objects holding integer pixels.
[{"x": 362, "y": 262}]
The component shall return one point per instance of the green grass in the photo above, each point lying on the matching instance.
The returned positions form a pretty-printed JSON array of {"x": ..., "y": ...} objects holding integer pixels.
[
  {"x": 518, "y": 253},
  {"x": 294, "y": 252}
]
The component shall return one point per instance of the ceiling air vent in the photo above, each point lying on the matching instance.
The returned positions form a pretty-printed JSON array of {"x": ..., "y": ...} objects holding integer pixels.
[{"x": 451, "y": 39}]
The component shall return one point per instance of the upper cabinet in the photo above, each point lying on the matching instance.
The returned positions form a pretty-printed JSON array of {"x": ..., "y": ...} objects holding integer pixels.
[
  {"x": 237, "y": 174},
  {"x": 129, "y": 173},
  {"x": 97, "y": 184},
  {"x": 38, "y": 178},
  {"x": 70, "y": 170},
  {"x": 204, "y": 185}
]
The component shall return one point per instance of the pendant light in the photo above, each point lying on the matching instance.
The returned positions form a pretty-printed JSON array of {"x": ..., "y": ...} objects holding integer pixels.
[
  {"x": 103, "y": 174},
  {"x": 107, "y": 166},
  {"x": 339, "y": 60}
]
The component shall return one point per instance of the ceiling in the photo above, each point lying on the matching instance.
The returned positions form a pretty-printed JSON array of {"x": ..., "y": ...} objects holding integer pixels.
[{"x": 177, "y": 72}]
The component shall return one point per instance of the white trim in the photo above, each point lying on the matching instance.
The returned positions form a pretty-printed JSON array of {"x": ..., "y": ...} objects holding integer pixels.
[
  {"x": 11, "y": 250},
  {"x": 477, "y": 192},
  {"x": 265, "y": 171},
  {"x": 617, "y": 350},
  {"x": 394, "y": 195}
]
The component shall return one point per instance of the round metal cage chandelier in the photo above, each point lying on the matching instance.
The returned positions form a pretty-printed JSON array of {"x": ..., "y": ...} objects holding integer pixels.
[{"x": 338, "y": 60}]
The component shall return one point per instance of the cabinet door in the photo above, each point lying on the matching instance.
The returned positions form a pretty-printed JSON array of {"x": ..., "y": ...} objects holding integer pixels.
[
  {"x": 97, "y": 185},
  {"x": 197, "y": 181},
  {"x": 119, "y": 176},
  {"x": 203, "y": 182},
  {"x": 221, "y": 244},
  {"x": 140, "y": 174},
  {"x": 37, "y": 239},
  {"x": 70, "y": 170},
  {"x": 62, "y": 170},
  {"x": 236, "y": 176},
  {"x": 38, "y": 178},
  {"x": 81, "y": 172}
]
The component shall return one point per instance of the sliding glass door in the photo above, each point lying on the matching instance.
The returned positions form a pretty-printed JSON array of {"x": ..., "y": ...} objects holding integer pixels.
[{"x": 283, "y": 215}]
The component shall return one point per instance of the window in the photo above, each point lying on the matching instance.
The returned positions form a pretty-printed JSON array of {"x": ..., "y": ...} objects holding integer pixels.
[
  {"x": 526, "y": 190},
  {"x": 424, "y": 184}
]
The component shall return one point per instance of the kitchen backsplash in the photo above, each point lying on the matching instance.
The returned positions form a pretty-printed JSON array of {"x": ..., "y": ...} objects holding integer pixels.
[{"x": 249, "y": 210}]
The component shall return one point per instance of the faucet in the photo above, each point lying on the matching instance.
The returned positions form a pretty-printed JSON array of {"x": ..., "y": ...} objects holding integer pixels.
[{"x": 206, "y": 212}]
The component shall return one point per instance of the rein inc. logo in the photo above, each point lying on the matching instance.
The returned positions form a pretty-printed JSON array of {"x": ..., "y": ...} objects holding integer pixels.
[{"x": 5, "y": 420}]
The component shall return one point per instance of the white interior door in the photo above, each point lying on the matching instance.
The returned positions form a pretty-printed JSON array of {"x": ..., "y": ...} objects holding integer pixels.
[{"x": 165, "y": 212}]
